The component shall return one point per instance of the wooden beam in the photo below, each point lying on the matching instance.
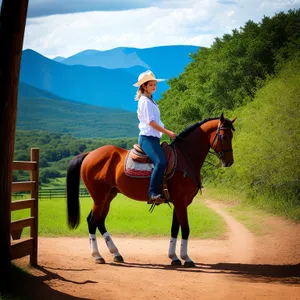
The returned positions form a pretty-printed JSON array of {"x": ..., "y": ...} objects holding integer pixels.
[
  {"x": 25, "y": 165},
  {"x": 23, "y": 186},
  {"x": 22, "y": 204},
  {"x": 21, "y": 248},
  {"x": 15, "y": 225},
  {"x": 34, "y": 176},
  {"x": 12, "y": 19}
]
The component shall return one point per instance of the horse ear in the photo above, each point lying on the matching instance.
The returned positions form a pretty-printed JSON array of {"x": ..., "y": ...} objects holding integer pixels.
[
  {"x": 222, "y": 119},
  {"x": 232, "y": 121}
]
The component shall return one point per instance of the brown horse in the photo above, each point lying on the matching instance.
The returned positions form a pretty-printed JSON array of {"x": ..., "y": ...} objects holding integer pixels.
[{"x": 102, "y": 171}]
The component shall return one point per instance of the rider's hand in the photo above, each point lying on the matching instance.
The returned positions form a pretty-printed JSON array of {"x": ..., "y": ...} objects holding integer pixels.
[{"x": 172, "y": 135}]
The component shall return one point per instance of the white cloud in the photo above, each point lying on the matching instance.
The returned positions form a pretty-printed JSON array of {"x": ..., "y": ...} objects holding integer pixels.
[
  {"x": 277, "y": 5},
  {"x": 230, "y": 13},
  {"x": 169, "y": 22}
]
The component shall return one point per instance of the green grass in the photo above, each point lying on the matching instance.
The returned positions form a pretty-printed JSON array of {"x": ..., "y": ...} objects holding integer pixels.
[
  {"x": 126, "y": 217},
  {"x": 252, "y": 216}
]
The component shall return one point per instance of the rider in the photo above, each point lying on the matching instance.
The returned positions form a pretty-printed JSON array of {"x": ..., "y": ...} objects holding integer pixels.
[{"x": 151, "y": 129}]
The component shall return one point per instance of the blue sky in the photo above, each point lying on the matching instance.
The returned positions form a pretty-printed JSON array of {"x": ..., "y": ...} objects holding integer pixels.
[{"x": 66, "y": 27}]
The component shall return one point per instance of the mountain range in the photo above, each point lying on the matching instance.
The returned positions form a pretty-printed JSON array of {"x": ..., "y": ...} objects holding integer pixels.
[
  {"x": 91, "y": 93},
  {"x": 103, "y": 78}
]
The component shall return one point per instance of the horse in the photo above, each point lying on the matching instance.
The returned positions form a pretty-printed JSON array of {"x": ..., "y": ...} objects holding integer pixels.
[{"x": 102, "y": 171}]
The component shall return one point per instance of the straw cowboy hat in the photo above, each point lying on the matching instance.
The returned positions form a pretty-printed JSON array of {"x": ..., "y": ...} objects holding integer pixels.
[{"x": 146, "y": 76}]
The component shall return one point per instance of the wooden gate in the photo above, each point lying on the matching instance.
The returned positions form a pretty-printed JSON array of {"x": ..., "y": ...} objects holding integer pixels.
[{"x": 27, "y": 246}]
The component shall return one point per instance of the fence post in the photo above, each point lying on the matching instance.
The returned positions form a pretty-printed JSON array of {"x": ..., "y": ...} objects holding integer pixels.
[{"x": 34, "y": 176}]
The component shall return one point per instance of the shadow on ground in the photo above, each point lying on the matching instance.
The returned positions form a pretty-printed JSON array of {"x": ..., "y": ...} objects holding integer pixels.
[
  {"x": 288, "y": 274},
  {"x": 24, "y": 286}
]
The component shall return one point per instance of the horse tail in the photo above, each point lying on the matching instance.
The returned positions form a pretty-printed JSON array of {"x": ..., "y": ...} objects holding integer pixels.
[{"x": 73, "y": 181}]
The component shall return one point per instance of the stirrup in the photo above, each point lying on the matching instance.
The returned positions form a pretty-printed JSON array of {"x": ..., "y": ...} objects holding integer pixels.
[
  {"x": 156, "y": 199},
  {"x": 166, "y": 194}
]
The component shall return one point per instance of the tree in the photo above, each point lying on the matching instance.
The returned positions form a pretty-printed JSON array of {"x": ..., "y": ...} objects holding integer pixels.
[
  {"x": 228, "y": 74},
  {"x": 12, "y": 26}
]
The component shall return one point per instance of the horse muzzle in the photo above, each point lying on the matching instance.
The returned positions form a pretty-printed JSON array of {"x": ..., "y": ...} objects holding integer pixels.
[{"x": 227, "y": 163}]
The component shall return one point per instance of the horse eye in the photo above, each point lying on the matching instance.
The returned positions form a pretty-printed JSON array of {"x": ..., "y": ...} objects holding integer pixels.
[{"x": 223, "y": 137}]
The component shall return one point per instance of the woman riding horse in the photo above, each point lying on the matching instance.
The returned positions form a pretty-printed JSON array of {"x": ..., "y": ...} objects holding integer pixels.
[{"x": 102, "y": 171}]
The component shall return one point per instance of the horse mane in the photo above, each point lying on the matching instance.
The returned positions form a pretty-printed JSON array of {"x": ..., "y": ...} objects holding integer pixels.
[{"x": 193, "y": 127}]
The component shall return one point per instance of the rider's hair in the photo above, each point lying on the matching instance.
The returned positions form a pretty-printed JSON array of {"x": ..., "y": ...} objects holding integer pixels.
[{"x": 141, "y": 90}]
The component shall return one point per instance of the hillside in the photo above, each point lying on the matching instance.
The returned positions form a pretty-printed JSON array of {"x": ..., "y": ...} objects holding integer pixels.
[
  {"x": 252, "y": 74},
  {"x": 266, "y": 145},
  {"x": 38, "y": 109}
]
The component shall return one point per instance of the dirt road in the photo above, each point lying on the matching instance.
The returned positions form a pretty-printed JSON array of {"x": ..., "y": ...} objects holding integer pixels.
[{"x": 240, "y": 266}]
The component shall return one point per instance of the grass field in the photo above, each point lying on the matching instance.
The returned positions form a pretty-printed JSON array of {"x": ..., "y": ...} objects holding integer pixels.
[
  {"x": 252, "y": 216},
  {"x": 126, "y": 217}
]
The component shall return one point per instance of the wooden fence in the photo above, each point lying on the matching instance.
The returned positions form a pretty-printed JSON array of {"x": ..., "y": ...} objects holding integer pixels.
[
  {"x": 59, "y": 193},
  {"x": 27, "y": 246}
]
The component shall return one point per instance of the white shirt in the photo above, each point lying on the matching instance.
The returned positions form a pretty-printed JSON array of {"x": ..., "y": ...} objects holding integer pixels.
[{"x": 148, "y": 111}]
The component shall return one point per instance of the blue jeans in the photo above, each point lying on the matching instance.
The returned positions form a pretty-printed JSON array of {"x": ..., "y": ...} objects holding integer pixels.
[{"x": 151, "y": 146}]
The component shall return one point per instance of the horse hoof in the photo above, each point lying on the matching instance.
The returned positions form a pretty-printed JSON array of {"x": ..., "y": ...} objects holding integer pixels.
[
  {"x": 189, "y": 264},
  {"x": 176, "y": 262},
  {"x": 118, "y": 259},
  {"x": 100, "y": 261}
]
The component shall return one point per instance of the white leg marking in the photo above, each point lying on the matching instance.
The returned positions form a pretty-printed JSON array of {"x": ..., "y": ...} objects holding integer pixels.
[
  {"x": 94, "y": 246},
  {"x": 110, "y": 244},
  {"x": 183, "y": 250},
  {"x": 172, "y": 249}
]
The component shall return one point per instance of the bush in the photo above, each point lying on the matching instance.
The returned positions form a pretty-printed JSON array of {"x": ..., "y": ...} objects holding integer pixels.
[{"x": 267, "y": 143}]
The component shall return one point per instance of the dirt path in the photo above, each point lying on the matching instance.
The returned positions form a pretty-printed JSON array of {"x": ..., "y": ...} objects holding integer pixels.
[{"x": 241, "y": 266}]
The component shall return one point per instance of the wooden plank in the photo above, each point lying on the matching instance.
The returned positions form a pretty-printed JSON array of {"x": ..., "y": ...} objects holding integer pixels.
[
  {"x": 34, "y": 176},
  {"x": 21, "y": 248},
  {"x": 15, "y": 225},
  {"x": 23, "y": 186},
  {"x": 22, "y": 204},
  {"x": 25, "y": 165},
  {"x": 13, "y": 20}
]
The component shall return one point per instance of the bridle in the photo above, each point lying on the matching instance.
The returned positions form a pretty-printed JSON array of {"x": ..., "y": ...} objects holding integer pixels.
[
  {"x": 218, "y": 137},
  {"x": 220, "y": 154}
]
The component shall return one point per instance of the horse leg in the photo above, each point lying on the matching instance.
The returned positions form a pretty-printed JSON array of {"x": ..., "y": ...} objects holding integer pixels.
[
  {"x": 93, "y": 240},
  {"x": 99, "y": 193},
  {"x": 108, "y": 240},
  {"x": 101, "y": 226},
  {"x": 182, "y": 216},
  {"x": 172, "y": 247}
]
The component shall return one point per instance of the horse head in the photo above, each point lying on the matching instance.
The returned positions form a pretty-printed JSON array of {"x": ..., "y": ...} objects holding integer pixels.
[{"x": 221, "y": 141}]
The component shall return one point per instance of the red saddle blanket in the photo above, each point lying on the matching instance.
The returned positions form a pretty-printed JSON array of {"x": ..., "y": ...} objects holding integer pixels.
[{"x": 139, "y": 165}]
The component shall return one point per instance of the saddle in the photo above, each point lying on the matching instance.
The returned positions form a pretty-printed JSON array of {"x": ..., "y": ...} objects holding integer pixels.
[{"x": 138, "y": 155}]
